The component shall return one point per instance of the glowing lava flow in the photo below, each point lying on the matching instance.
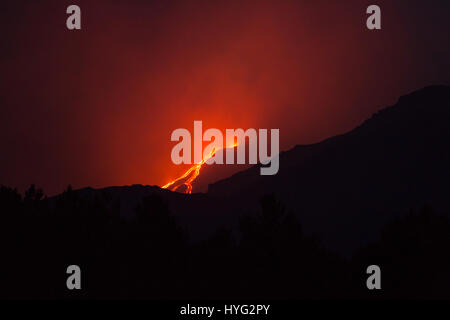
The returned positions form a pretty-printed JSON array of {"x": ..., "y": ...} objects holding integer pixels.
[{"x": 191, "y": 174}]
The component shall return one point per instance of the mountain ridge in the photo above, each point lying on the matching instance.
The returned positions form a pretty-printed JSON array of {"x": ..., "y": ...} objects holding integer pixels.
[{"x": 344, "y": 188}]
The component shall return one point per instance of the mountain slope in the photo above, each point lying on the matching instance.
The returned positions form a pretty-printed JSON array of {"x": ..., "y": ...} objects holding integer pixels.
[{"x": 346, "y": 187}]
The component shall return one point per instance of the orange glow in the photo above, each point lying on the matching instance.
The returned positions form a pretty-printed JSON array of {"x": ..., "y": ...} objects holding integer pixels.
[{"x": 192, "y": 173}]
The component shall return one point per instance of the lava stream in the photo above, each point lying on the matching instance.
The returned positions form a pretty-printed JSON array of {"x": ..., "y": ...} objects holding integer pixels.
[{"x": 192, "y": 173}]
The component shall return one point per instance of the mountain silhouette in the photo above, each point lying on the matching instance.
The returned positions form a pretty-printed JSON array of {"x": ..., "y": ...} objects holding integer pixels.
[
  {"x": 344, "y": 189},
  {"x": 375, "y": 195},
  {"x": 347, "y": 186}
]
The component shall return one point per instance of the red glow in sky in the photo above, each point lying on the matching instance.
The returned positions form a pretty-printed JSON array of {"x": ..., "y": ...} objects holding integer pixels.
[{"x": 96, "y": 107}]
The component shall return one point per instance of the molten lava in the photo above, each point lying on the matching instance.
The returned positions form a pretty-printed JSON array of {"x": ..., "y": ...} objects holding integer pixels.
[{"x": 192, "y": 173}]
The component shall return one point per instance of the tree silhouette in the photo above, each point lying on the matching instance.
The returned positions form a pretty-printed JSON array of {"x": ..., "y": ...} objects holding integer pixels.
[
  {"x": 150, "y": 256},
  {"x": 413, "y": 254}
]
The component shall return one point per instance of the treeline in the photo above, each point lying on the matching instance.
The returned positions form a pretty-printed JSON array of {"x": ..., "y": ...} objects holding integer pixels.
[{"x": 152, "y": 257}]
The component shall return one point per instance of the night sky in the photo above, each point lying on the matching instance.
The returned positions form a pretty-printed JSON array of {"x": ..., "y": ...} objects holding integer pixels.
[{"x": 96, "y": 107}]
